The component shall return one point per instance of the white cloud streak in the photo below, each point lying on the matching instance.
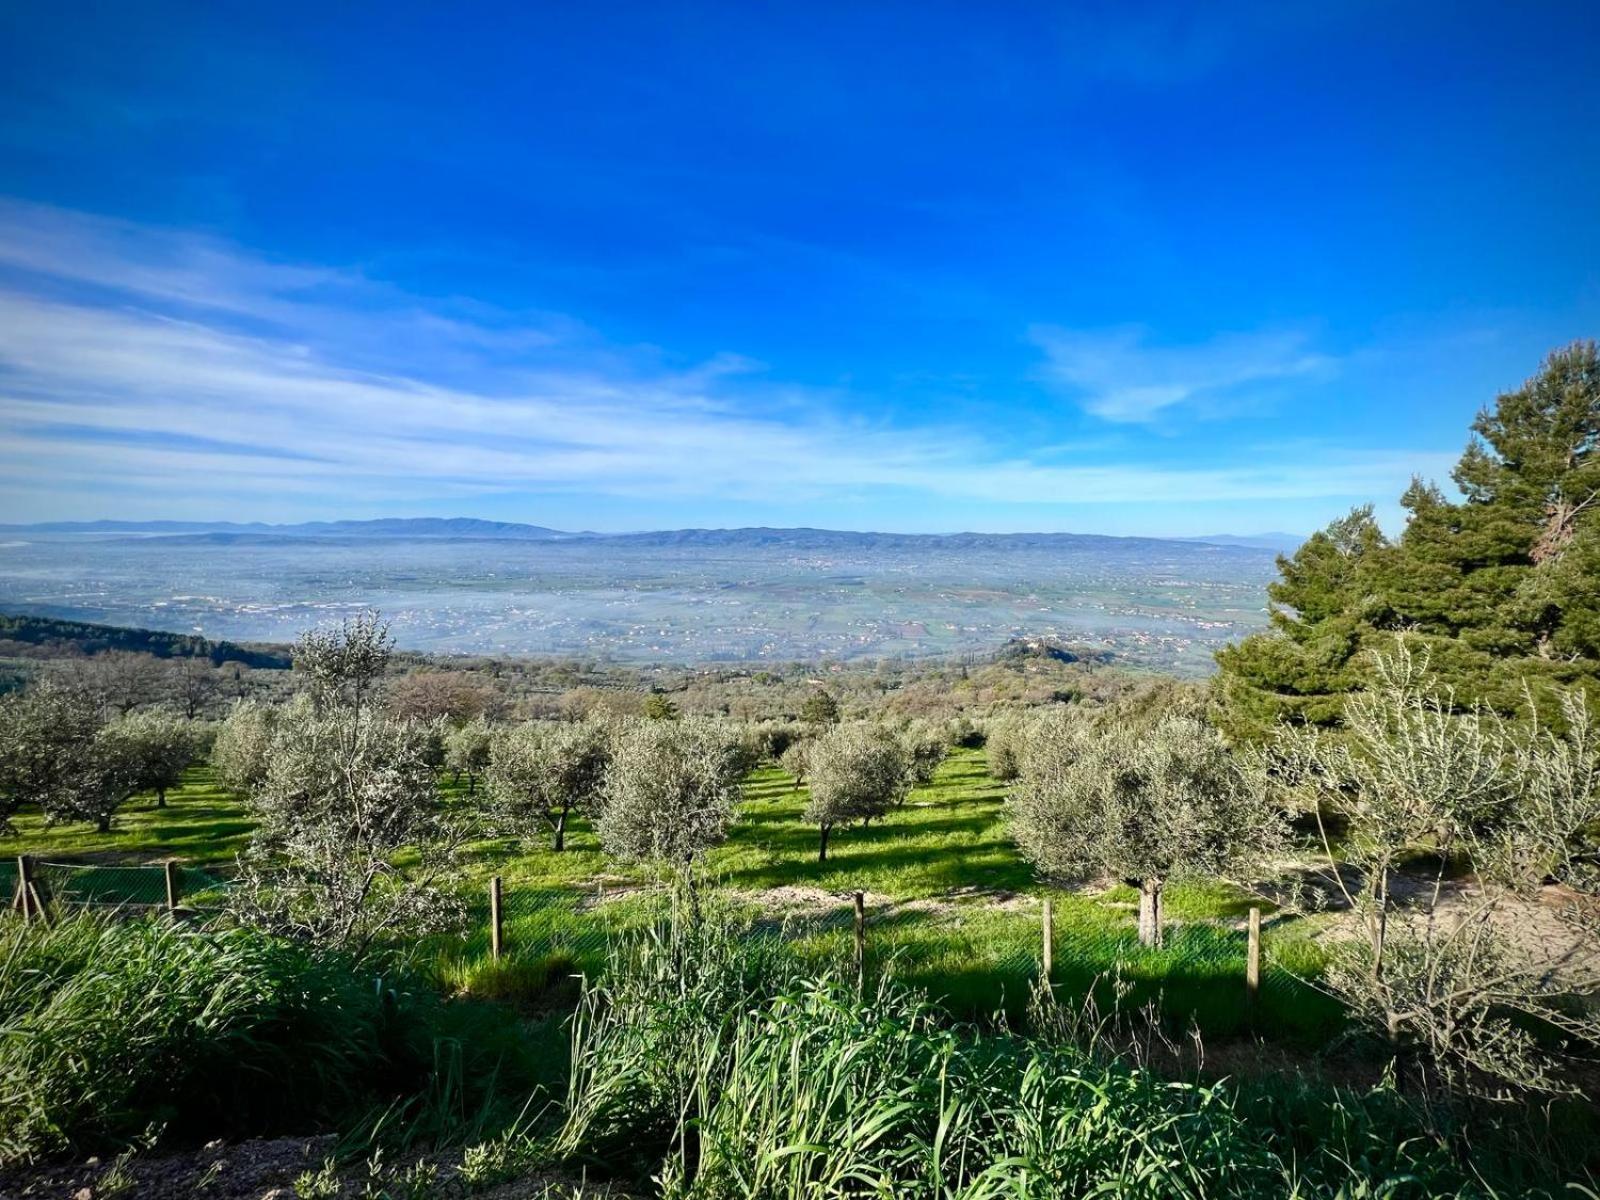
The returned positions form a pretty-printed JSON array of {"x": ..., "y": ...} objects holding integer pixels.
[
  {"x": 1116, "y": 376},
  {"x": 163, "y": 367}
]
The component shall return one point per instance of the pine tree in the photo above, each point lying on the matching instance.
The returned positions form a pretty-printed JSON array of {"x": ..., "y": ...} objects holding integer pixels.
[{"x": 1502, "y": 587}]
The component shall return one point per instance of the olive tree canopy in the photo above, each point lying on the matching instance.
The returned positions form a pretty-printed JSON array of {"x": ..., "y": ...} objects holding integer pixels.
[
  {"x": 671, "y": 791},
  {"x": 539, "y": 772},
  {"x": 858, "y": 772},
  {"x": 1144, "y": 807}
]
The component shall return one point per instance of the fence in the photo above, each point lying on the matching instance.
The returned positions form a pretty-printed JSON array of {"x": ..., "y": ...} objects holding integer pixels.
[
  {"x": 35, "y": 885},
  {"x": 974, "y": 958}
]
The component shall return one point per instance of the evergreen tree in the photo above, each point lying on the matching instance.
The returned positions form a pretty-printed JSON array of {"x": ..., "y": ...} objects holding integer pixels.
[{"x": 1501, "y": 587}]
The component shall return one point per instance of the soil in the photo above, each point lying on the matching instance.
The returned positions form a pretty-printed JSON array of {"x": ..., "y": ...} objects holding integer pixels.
[{"x": 263, "y": 1169}]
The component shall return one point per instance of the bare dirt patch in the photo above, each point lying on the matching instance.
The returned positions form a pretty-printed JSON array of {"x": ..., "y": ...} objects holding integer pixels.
[{"x": 260, "y": 1169}]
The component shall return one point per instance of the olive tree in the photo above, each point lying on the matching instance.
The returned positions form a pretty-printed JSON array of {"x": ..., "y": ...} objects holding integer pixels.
[
  {"x": 96, "y": 779},
  {"x": 343, "y": 665},
  {"x": 858, "y": 772},
  {"x": 795, "y": 759},
  {"x": 242, "y": 747},
  {"x": 29, "y": 747},
  {"x": 345, "y": 795},
  {"x": 1142, "y": 807},
  {"x": 1003, "y": 743},
  {"x": 926, "y": 748},
  {"x": 158, "y": 748},
  {"x": 467, "y": 750},
  {"x": 671, "y": 792},
  {"x": 539, "y": 772},
  {"x": 52, "y": 754},
  {"x": 1447, "y": 973},
  {"x": 351, "y": 842}
]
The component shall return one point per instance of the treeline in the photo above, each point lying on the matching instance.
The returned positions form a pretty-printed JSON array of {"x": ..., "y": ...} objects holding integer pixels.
[{"x": 55, "y": 637}]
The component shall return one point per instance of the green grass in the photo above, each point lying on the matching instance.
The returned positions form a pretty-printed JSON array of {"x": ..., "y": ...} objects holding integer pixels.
[
  {"x": 949, "y": 835},
  {"x": 110, "y": 1028},
  {"x": 721, "y": 1071},
  {"x": 953, "y": 907},
  {"x": 203, "y": 823}
]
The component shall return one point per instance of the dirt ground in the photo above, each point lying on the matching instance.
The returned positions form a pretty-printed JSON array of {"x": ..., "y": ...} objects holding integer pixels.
[{"x": 260, "y": 1170}]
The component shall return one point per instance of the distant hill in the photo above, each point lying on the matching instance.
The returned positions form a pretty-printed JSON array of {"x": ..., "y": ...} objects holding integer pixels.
[
  {"x": 384, "y": 527},
  {"x": 820, "y": 540},
  {"x": 82, "y": 637},
  {"x": 1019, "y": 648},
  {"x": 1283, "y": 543}
]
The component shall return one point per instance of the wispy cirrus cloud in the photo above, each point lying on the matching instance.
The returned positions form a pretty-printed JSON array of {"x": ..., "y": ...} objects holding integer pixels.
[
  {"x": 1118, "y": 375},
  {"x": 168, "y": 370}
]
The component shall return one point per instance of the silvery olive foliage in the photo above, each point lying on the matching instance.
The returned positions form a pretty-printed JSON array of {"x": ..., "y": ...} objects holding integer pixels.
[
  {"x": 42, "y": 733},
  {"x": 1501, "y": 814},
  {"x": 467, "y": 750},
  {"x": 343, "y": 666},
  {"x": 671, "y": 791},
  {"x": 352, "y": 843},
  {"x": 795, "y": 759},
  {"x": 1145, "y": 807},
  {"x": 1003, "y": 741},
  {"x": 926, "y": 746},
  {"x": 858, "y": 771},
  {"x": 541, "y": 771},
  {"x": 242, "y": 746},
  {"x": 157, "y": 746},
  {"x": 54, "y": 751},
  {"x": 344, "y": 796}
]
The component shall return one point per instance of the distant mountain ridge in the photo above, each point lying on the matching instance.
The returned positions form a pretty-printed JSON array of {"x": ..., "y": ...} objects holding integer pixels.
[
  {"x": 393, "y": 527},
  {"x": 1285, "y": 543},
  {"x": 473, "y": 529}
]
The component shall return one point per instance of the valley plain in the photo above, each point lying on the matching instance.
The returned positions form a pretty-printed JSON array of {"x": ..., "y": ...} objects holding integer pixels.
[{"x": 692, "y": 596}]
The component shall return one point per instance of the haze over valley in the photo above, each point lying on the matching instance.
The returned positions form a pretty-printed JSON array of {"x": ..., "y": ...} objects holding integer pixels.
[{"x": 679, "y": 596}]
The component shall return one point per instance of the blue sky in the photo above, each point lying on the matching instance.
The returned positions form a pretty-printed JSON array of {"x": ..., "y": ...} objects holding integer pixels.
[{"x": 1164, "y": 268}]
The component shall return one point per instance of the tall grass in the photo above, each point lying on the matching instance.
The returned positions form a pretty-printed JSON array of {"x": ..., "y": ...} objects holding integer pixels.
[
  {"x": 723, "y": 1070},
  {"x": 112, "y": 1029}
]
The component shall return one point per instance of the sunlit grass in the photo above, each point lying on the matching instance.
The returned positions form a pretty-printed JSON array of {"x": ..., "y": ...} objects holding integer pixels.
[
  {"x": 203, "y": 824},
  {"x": 952, "y": 906}
]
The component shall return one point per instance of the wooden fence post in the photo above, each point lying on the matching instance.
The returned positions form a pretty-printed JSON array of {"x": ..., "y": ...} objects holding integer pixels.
[
  {"x": 496, "y": 925},
  {"x": 861, "y": 941},
  {"x": 170, "y": 870},
  {"x": 26, "y": 901},
  {"x": 1252, "y": 962},
  {"x": 1049, "y": 934}
]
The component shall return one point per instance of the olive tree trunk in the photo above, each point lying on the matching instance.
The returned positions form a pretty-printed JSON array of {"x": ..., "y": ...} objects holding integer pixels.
[{"x": 1150, "y": 912}]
